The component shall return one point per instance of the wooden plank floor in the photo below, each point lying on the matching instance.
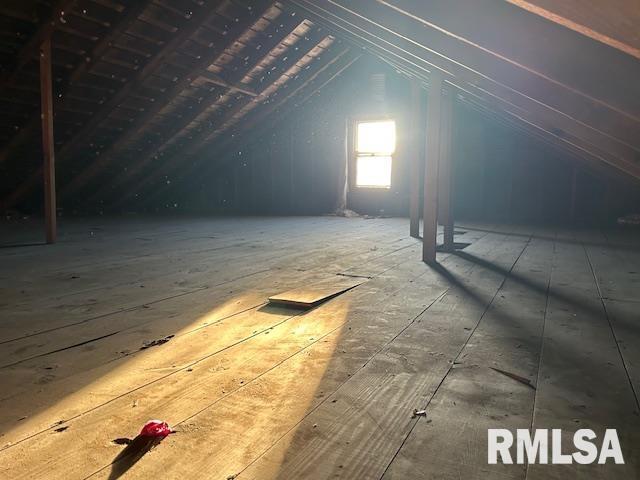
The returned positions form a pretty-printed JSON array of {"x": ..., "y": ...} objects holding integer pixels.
[{"x": 128, "y": 320}]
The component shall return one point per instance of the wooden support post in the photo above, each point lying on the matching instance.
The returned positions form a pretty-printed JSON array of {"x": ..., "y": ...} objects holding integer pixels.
[
  {"x": 445, "y": 214},
  {"x": 430, "y": 207},
  {"x": 416, "y": 143},
  {"x": 46, "y": 98}
]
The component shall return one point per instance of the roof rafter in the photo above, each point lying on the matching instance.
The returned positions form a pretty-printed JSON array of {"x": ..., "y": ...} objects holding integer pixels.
[
  {"x": 29, "y": 129},
  {"x": 305, "y": 33},
  {"x": 535, "y": 128},
  {"x": 419, "y": 53},
  {"x": 179, "y": 38},
  {"x": 85, "y": 133},
  {"x": 543, "y": 74},
  {"x": 31, "y": 49},
  {"x": 237, "y": 112},
  {"x": 107, "y": 157},
  {"x": 309, "y": 86},
  {"x": 614, "y": 23},
  {"x": 585, "y": 160}
]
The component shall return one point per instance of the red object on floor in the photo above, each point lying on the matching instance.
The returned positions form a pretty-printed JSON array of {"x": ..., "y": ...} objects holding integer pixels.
[{"x": 156, "y": 428}]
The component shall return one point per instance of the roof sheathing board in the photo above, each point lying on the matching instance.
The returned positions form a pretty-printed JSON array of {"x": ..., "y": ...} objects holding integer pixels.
[{"x": 257, "y": 61}]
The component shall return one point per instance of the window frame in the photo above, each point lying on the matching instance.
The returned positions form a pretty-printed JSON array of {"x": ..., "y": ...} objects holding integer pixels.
[{"x": 354, "y": 154}]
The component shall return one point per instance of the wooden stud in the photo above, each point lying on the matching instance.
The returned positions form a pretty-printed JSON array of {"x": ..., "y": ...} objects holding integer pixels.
[
  {"x": 46, "y": 97},
  {"x": 445, "y": 214},
  {"x": 430, "y": 207},
  {"x": 415, "y": 151}
]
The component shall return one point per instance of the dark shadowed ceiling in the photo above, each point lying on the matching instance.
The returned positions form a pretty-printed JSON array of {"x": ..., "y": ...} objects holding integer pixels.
[{"x": 139, "y": 86}]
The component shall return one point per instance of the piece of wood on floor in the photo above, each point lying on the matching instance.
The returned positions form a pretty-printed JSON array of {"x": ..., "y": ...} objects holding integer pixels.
[{"x": 309, "y": 296}]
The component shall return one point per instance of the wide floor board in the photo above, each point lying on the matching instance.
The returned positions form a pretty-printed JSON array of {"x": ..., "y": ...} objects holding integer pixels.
[{"x": 125, "y": 321}]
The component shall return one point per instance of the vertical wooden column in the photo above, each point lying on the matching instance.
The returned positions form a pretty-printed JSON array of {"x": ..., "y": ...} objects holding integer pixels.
[
  {"x": 415, "y": 151},
  {"x": 49, "y": 172},
  {"x": 430, "y": 207},
  {"x": 445, "y": 214}
]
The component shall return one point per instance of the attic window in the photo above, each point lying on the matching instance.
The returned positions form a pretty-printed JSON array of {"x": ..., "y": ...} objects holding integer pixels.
[{"x": 375, "y": 146}]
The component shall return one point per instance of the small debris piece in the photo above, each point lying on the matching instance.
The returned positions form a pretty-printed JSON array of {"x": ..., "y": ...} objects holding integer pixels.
[
  {"x": 345, "y": 212},
  {"x": 630, "y": 219},
  {"x": 61, "y": 429},
  {"x": 231, "y": 477},
  {"x": 155, "y": 343},
  {"x": 156, "y": 428},
  {"x": 517, "y": 378},
  {"x": 419, "y": 413},
  {"x": 151, "y": 435}
]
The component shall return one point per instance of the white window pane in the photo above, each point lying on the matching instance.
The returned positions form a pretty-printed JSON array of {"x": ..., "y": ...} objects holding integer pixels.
[
  {"x": 373, "y": 172},
  {"x": 377, "y": 137}
]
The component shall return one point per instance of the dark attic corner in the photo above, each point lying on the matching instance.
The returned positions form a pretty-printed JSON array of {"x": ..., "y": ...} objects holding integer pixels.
[{"x": 359, "y": 239}]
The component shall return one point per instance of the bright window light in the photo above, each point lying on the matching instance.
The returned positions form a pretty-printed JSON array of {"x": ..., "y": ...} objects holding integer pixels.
[
  {"x": 373, "y": 172},
  {"x": 377, "y": 137},
  {"x": 375, "y": 145}
]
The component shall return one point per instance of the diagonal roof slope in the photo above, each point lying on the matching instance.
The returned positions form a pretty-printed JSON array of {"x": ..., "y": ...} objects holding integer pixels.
[
  {"x": 136, "y": 83},
  {"x": 575, "y": 90}
]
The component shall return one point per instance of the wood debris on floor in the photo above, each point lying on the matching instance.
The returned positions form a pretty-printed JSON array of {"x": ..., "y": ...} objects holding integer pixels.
[{"x": 309, "y": 296}]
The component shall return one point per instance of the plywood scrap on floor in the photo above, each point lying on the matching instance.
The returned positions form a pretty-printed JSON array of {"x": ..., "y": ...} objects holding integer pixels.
[{"x": 309, "y": 296}]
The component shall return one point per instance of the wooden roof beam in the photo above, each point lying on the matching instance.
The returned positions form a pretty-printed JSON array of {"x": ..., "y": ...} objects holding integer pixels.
[
  {"x": 31, "y": 49},
  {"x": 585, "y": 159},
  {"x": 139, "y": 125},
  {"x": 179, "y": 38},
  {"x": 595, "y": 74},
  {"x": 535, "y": 129},
  {"x": 233, "y": 88},
  {"x": 614, "y": 22},
  {"x": 293, "y": 57},
  {"x": 201, "y": 163},
  {"x": 484, "y": 105},
  {"x": 239, "y": 110},
  {"x": 83, "y": 134},
  {"x": 343, "y": 60},
  {"x": 258, "y": 125},
  {"x": 29, "y": 129},
  {"x": 532, "y": 124},
  {"x": 408, "y": 38},
  {"x": 418, "y": 53}
]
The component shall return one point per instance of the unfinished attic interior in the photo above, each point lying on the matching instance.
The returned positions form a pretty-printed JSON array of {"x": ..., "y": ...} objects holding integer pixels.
[{"x": 357, "y": 239}]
